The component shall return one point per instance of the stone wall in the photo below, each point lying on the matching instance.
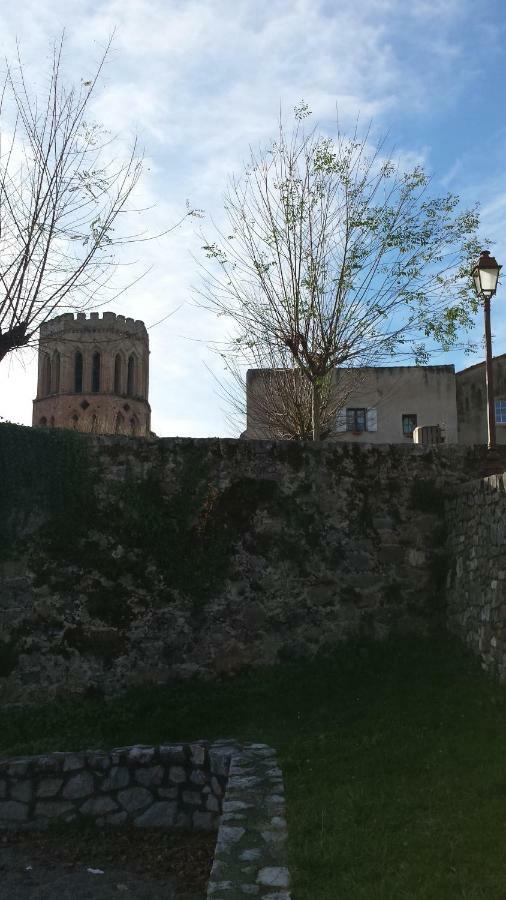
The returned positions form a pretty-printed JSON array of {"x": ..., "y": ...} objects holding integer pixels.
[
  {"x": 129, "y": 561},
  {"x": 225, "y": 786},
  {"x": 169, "y": 786},
  {"x": 476, "y": 582}
]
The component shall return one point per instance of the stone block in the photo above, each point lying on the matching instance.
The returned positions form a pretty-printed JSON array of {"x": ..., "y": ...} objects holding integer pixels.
[
  {"x": 168, "y": 793},
  {"x": 118, "y": 777},
  {"x": 73, "y": 761},
  {"x": 12, "y": 811},
  {"x": 141, "y": 755},
  {"x": 150, "y": 776},
  {"x": 172, "y": 753},
  {"x": 274, "y": 876},
  {"x": 81, "y": 785},
  {"x": 52, "y": 809},
  {"x": 98, "y": 806},
  {"x": 135, "y": 798},
  {"x": 161, "y": 814},
  {"x": 177, "y": 774},
  {"x": 203, "y": 821},
  {"x": 48, "y": 787},
  {"x": 197, "y": 754},
  {"x": 22, "y": 790},
  {"x": 193, "y": 798}
]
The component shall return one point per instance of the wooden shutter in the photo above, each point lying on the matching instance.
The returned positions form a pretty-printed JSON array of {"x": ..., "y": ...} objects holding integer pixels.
[{"x": 372, "y": 419}]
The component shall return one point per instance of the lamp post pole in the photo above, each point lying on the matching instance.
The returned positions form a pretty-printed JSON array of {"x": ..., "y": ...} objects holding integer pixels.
[
  {"x": 489, "y": 377},
  {"x": 485, "y": 275}
]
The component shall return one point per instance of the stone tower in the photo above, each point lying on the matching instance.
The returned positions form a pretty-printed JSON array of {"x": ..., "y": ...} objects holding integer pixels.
[{"x": 93, "y": 374}]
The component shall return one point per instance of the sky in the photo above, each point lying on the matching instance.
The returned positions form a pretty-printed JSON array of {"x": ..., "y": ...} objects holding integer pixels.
[{"x": 200, "y": 81}]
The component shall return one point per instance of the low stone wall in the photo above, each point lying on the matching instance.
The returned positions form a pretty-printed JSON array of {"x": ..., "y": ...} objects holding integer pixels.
[
  {"x": 175, "y": 785},
  {"x": 476, "y": 581},
  {"x": 250, "y": 857},
  {"x": 236, "y": 789}
]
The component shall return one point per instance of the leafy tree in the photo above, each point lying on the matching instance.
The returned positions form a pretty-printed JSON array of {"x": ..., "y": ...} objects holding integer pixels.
[{"x": 334, "y": 256}]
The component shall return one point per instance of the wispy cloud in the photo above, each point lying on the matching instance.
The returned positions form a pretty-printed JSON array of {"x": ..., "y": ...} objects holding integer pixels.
[{"x": 201, "y": 80}]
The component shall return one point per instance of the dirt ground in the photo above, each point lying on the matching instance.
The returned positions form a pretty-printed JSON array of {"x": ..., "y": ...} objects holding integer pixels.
[{"x": 129, "y": 863}]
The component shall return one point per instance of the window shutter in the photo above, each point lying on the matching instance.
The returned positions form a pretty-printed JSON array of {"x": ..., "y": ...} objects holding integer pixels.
[
  {"x": 372, "y": 419},
  {"x": 341, "y": 420}
]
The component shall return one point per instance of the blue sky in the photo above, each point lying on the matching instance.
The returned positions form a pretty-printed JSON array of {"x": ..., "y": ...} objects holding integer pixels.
[{"x": 201, "y": 80}]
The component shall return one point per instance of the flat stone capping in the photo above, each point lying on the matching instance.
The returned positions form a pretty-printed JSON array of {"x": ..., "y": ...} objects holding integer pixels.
[
  {"x": 237, "y": 789},
  {"x": 250, "y": 856}
]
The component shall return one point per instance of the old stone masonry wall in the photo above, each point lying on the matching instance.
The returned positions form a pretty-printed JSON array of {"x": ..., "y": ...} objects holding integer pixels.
[
  {"x": 236, "y": 789},
  {"x": 476, "y": 585},
  {"x": 125, "y": 561},
  {"x": 169, "y": 786}
]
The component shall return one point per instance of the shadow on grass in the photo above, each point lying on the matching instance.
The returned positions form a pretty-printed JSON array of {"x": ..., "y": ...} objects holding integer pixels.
[{"x": 393, "y": 757}]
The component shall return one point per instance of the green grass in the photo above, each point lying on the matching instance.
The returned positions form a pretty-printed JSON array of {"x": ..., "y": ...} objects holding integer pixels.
[{"x": 394, "y": 759}]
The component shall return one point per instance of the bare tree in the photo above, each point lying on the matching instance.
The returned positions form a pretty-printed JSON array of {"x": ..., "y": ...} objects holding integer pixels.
[
  {"x": 275, "y": 398},
  {"x": 61, "y": 192},
  {"x": 337, "y": 257}
]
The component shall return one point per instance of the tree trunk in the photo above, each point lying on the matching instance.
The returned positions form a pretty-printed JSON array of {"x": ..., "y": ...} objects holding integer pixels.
[
  {"x": 13, "y": 338},
  {"x": 316, "y": 410}
]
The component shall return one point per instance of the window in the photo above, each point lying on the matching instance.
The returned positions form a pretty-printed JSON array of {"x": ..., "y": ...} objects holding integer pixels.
[
  {"x": 43, "y": 422},
  {"x": 409, "y": 422},
  {"x": 500, "y": 412},
  {"x": 46, "y": 376},
  {"x": 56, "y": 372},
  {"x": 118, "y": 374},
  {"x": 78, "y": 372},
  {"x": 356, "y": 419},
  {"x": 131, "y": 375},
  {"x": 119, "y": 425},
  {"x": 95, "y": 373}
]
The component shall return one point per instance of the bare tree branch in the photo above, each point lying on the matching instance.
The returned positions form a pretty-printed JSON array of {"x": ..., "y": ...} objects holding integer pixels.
[{"x": 334, "y": 256}]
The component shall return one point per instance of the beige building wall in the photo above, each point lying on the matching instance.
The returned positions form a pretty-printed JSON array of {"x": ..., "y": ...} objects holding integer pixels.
[
  {"x": 93, "y": 374},
  {"x": 386, "y": 394},
  {"x": 472, "y": 402}
]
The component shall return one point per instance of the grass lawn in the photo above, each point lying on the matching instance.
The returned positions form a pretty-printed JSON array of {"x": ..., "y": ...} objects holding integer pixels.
[{"x": 394, "y": 758}]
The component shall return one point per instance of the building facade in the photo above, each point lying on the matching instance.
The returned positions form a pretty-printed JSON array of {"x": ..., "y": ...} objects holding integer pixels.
[
  {"x": 472, "y": 402},
  {"x": 93, "y": 374},
  {"x": 376, "y": 405}
]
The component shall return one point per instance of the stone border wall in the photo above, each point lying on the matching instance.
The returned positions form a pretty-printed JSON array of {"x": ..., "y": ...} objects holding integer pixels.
[
  {"x": 237, "y": 789},
  {"x": 250, "y": 857},
  {"x": 173, "y": 785},
  {"x": 476, "y": 580}
]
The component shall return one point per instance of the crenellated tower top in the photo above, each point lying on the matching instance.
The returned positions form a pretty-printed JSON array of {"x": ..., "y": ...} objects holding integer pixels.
[{"x": 93, "y": 374}]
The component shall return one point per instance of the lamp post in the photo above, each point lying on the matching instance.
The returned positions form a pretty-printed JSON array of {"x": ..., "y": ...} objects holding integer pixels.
[{"x": 485, "y": 276}]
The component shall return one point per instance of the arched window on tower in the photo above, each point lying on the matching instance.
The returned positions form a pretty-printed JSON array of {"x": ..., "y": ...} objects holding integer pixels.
[
  {"x": 95, "y": 373},
  {"x": 94, "y": 424},
  {"x": 119, "y": 425},
  {"x": 131, "y": 375},
  {"x": 134, "y": 426},
  {"x": 56, "y": 372},
  {"x": 51, "y": 421},
  {"x": 78, "y": 372},
  {"x": 46, "y": 376},
  {"x": 74, "y": 420},
  {"x": 118, "y": 374},
  {"x": 43, "y": 422}
]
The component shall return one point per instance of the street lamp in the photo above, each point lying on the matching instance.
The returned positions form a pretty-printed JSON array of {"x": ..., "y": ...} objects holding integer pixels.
[{"x": 485, "y": 276}]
